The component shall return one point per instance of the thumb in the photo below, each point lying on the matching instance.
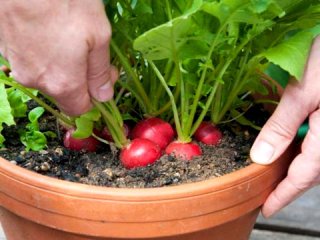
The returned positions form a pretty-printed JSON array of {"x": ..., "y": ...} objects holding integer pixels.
[
  {"x": 101, "y": 74},
  {"x": 281, "y": 128}
]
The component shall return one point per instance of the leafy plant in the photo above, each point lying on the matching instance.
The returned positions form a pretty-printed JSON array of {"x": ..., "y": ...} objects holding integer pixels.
[
  {"x": 183, "y": 61},
  {"x": 215, "y": 50}
]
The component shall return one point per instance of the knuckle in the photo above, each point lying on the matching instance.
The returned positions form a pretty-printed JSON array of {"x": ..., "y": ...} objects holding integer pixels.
[
  {"x": 24, "y": 79},
  {"x": 298, "y": 186},
  {"x": 281, "y": 129},
  {"x": 78, "y": 110},
  {"x": 98, "y": 74},
  {"x": 75, "y": 106},
  {"x": 315, "y": 116},
  {"x": 57, "y": 89},
  {"x": 103, "y": 37}
]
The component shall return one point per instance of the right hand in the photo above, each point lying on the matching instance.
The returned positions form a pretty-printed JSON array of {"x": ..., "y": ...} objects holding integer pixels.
[
  {"x": 60, "y": 47},
  {"x": 300, "y": 100}
]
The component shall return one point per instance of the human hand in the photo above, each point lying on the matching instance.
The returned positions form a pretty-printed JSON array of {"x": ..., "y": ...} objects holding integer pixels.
[
  {"x": 299, "y": 101},
  {"x": 60, "y": 47}
]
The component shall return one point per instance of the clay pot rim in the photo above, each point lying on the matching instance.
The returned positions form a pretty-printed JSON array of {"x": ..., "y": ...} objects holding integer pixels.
[{"x": 37, "y": 180}]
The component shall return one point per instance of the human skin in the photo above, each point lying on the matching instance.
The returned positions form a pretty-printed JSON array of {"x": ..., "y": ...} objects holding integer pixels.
[
  {"x": 60, "y": 47},
  {"x": 299, "y": 101}
]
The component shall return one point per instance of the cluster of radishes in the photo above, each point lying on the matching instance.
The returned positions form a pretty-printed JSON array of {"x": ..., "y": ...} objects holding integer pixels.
[{"x": 150, "y": 138}]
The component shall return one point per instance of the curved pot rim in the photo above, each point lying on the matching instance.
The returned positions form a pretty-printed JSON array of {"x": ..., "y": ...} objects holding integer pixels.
[{"x": 133, "y": 194}]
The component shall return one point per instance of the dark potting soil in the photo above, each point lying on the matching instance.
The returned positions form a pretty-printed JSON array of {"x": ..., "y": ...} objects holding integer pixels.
[{"x": 103, "y": 167}]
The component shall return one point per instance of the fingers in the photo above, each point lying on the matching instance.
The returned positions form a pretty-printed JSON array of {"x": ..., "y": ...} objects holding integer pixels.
[
  {"x": 68, "y": 86},
  {"x": 298, "y": 101},
  {"x": 72, "y": 65},
  {"x": 73, "y": 102},
  {"x": 282, "y": 126},
  {"x": 303, "y": 173},
  {"x": 101, "y": 75}
]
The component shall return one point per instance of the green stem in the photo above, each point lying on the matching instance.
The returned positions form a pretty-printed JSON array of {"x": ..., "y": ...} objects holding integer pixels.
[
  {"x": 166, "y": 106},
  {"x": 202, "y": 79},
  {"x": 54, "y": 112},
  {"x": 200, "y": 85},
  {"x": 114, "y": 127},
  {"x": 145, "y": 103},
  {"x": 119, "y": 95},
  {"x": 237, "y": 86},
  {"x": 218, "y": 81},
  {"x": 115, "y": 111},
  {"x": 216, "y": 105},
  {"x": 132, "y": 91},
  {"x": 168, "y": 8},
  {"x": 173, "y": 104},
  {"x": 159, "y": 92},
  {"x": 181, "y": 86},
  {"x": 205, "y": 110}
]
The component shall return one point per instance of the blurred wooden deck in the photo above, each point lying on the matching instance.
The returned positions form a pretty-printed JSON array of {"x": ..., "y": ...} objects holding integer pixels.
[{"x": 298, "y": 221}]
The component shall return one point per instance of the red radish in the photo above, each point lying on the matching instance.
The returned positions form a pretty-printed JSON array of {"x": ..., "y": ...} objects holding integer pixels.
[
  {"x": 105, "y": 133},
  {"x": 208, "y": 133},
  {"x": 139, "y": 153},
  {"x": 89, "y": 144},
  {"x": 184, "y": 151},
  {"x": 154, "y": 129}
]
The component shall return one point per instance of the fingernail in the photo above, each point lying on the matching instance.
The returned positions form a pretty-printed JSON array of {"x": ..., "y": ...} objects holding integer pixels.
[
  {"x": 262, "y": 152},
  {"x": 268, "y": 213},
  {"x": 105, "y": 92}
]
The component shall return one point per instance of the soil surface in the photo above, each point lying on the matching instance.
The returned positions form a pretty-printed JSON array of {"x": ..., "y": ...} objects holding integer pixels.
[{"x": 103, "y": 167}]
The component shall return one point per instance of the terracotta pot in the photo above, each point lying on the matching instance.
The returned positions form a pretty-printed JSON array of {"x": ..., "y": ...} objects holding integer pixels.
[{"x": 38, "y": 207}]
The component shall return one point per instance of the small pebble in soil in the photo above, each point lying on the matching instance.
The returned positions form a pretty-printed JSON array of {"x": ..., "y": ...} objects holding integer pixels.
[{"x": 45, "y": 166}]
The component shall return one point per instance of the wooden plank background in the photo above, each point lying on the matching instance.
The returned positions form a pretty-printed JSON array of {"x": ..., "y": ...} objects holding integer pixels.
[{"x": 302, "y": 217}]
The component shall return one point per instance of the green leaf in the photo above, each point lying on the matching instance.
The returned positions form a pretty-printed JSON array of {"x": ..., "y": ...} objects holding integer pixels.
[
  {"x": 167, "y": 40},
  {"x": 84, "y": 128},
  {"x": 35, "y": 114},
  {"x": 25, "y": 98},
  {"x": 50, "y": 134},
  {"x": 31, "y": 137},
  {"x": 278, "y": 74},
  {"x": 18, "y": 106},
  {"x": 143, "y": 8},
  {"x": 261, "y": 6},
  {"x": 292, "y": 54},
  {"x": 93, "y": 114},
  {"x": 85, "y": 123},
  {"x": 2, "y": 139},
  {"x": 34, "y": 140},
  {"x": 227, "y": 11},
  {"x": 5, "y": 109},
  {"x": 6, "y": 116},
  {"x": 128, "y": 116}
]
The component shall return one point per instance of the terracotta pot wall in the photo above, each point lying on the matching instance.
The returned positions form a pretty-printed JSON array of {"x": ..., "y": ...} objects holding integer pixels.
[{"x": 208, "y": 208}]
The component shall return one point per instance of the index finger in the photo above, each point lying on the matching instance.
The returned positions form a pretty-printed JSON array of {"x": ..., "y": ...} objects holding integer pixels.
[{"x": 303, "y": 173}]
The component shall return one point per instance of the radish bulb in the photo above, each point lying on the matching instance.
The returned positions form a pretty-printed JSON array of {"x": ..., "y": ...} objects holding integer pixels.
[
  {"x": 89, "y": 144},
  {"x": 139, "y": 153},
  {"x": 154, "y": 129},
  {"x": 184, "y": 151},
  {"x": 208, "y": 133},
  {"x": 105, "y": 133}
]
